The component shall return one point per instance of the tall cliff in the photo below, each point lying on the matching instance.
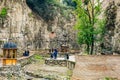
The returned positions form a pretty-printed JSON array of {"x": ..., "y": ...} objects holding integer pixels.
[
  {"x": 111, "y": 42},
  {"x": 31, "y": 21}
]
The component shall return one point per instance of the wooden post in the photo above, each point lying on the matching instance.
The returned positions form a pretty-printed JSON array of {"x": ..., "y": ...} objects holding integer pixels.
[
  {"x": 6, "y": 53},
  {"x": 11, "y": 53},
  {"x": 16, "y": 53}
]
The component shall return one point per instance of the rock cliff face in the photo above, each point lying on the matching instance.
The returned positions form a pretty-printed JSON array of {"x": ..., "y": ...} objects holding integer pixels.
[
  {"x": 112, "y": 29},
  {"x": 31, "y": 21},
  {"x": 29, "y": 27}
]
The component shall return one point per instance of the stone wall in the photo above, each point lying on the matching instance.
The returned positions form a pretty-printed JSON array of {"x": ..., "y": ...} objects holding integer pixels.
[
  {"x": 64, "y": 63},
  {"x": 25, "y": 60},
  {"x": 13, "y": 72},
  {"x": 96, "y": 67}
]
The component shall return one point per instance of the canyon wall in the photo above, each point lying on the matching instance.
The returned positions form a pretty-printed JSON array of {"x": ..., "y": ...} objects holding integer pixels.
[
  {"x": 31, "y": 22},
  {"x": 111, "y": 40},
  {"x": 31, "y": 28}
]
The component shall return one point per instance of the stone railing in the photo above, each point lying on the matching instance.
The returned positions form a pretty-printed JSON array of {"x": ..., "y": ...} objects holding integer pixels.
[
  {"x": 60, "y": 62},
  {"x": 25, "y": 60}
]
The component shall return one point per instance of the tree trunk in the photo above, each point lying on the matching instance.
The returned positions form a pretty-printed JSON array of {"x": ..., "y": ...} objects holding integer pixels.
[
  {"x": 92, "y": 45},
  {"x": 88, "y": 49}
]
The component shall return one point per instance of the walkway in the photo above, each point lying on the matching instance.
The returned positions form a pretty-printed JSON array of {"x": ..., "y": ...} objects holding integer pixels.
[
  {"x": 24, "y": 57},
  {"x": 72, "y": 58}
]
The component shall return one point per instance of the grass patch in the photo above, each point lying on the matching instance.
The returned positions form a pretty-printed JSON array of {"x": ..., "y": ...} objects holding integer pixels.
[
  {"x": 30, "y": 14},
  {"x": 38, "y": 57},
  {"x": 109, "y": 78},
  {"x": 69, "y": 74}
]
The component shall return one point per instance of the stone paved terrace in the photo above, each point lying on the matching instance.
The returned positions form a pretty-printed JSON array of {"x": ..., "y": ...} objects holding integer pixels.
[
  {"x": 71, "y": 58},
  {"x": 60, "y": 61}
]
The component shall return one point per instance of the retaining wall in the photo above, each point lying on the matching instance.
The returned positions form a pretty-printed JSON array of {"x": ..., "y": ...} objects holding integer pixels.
[{"x": 64, "y": 63}]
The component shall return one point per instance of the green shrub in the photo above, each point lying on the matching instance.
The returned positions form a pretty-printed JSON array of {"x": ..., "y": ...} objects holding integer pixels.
[
  {"x": 38, "y": 57},
  {"x": 30, "y": 14},
  {"x": 3, "y": 12}
]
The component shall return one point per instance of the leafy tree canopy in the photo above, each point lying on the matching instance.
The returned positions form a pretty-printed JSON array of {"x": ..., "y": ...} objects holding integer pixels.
[{"x": 89, "y": 25}]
